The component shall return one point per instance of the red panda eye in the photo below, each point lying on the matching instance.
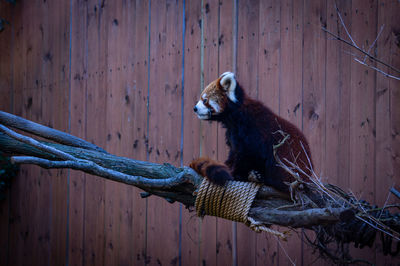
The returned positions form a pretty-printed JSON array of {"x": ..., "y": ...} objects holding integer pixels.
[{"x": 205, "y": 101}]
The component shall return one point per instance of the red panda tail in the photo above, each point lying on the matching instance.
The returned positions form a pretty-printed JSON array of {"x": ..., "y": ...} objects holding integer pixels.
[{"x": 216, "y": 172}]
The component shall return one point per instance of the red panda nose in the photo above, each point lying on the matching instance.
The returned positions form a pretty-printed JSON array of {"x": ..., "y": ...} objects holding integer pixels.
[{"x": 195, "y": 109}]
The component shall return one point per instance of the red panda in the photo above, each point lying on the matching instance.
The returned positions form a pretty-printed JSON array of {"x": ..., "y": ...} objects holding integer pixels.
[{"x": 252, "y": 130}]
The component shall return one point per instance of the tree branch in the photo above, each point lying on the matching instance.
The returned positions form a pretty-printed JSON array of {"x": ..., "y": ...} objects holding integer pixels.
[
  {"x": 325, "y": 209},
  {"x": 174, "y": 184},
  {"x": 360, "y": 50},
  {"x": 45, "y": 132}
]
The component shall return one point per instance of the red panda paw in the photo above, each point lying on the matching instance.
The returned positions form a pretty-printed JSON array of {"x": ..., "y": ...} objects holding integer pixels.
[
  {"x": 200, "y": 164},
  {"x": 214, "y": 171},
  {"x": 218, "y": 174}
]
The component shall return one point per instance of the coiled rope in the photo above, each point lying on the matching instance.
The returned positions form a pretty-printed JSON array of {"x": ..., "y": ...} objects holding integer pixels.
[{"x": 232, "y": 202}]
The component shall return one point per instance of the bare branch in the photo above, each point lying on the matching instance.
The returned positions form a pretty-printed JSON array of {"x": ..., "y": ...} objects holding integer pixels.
[
  {"x": 92, "y": 168},
  {"x": 377, "y": 69},
  {"x": 345, "y": 28},
  {"x": 305, "y": 218},
  {"x": 360, "y": 50},
  {"x": 45, "y": 132},
  {"x": 373, "y": 44},
  {"x": 36, "y": 144},
  {"x": 395, "y": 192}
]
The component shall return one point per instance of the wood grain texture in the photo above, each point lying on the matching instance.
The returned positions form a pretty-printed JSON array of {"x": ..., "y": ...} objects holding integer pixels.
[
  {"x": 120, "y": 26},
  {"x": 164, "y": 123},
  {"x": 190, "y": 224},
  {"x": 269, "y": 55},
  {"x": 385, "y": 145},
  {"x": 138, "y": 116},
  {"x": 211, "y": 41},
  {"x": 314, "y": 89},
  {"x": 78, "y": 117},
  {"x": 226, "y": 62},
  {"x": 394, "y": 86},
  {"x": 362, "y": 111},
  {"x": 338, "y": 77},
  {"x": 247, "y": 74},
  {"x": 94, "y": 80},
  {"x": 55, "y": 96},
  {"x": 94, "y": 220},
  {"x": 30, "y": 227},
  {"x": 6, "y": 103}
]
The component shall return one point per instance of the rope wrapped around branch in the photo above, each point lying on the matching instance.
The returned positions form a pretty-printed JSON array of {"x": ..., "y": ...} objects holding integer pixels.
[{"x": 232, "y": 202}]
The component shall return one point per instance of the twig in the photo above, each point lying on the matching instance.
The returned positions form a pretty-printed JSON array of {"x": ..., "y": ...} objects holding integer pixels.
[
  {"x": 361, "y": 50},
  {"x": 377, "y": 228},
  {"x": 395, "y": 192},
  {"x": 377, "y": 69},
  {"x": 284, "y": 251},
  {"x": 345, "y": 28},
  {"x": 384, "y": 205},
  {"x": 373, "y": 44}
]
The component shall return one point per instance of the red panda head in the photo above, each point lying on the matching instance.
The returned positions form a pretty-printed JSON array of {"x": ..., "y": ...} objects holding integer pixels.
[{"x": 216, "y": 96}]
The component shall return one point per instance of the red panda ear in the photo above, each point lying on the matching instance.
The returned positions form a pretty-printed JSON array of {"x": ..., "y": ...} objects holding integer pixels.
[{"x": 228, "y": 83}]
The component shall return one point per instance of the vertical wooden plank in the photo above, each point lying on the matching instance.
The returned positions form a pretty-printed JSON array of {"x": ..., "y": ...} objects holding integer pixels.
[
  {"x": 78, "y": 116},
  {"x": 362, "y": 111},
  {"x": 6, "y": 88},
  {"x": 29, "y": 225},
  {"x": 333, "y": 93},
  {"x": 314, "y": 80},
  {"x": 55, "y": 109},
  {"x": 386, "y": 109},
  {"x": 247, "y": 46},
  {"x": 118, "y": 197},
  {"x": 209, "y": 137},
  {"x": 362, "y": 107},
  {"x": 6, "y": 48},
  {"x": 269, "y": 53},
  {"x": 268, "y": 93},
  {"x": 290, "y": 94},
  {"x": 314, "y": 87},
  {"x": 291, "y": 59},
  {"x": 211, "y": 40},
  {"x": 164, "y": 123},
  {"x": 138, "y": 97},
  {"x": 247, "y": 75},
  {"x": 394, "y": 86},
  {"x": 94, "y": 239},
  {"x": 338, "y": 77},
  {"x": 191, "y": 124},
  {"x": 227, "y": 40}
]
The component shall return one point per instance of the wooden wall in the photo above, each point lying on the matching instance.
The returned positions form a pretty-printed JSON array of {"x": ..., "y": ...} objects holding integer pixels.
[{"x": 126, "y": 74}]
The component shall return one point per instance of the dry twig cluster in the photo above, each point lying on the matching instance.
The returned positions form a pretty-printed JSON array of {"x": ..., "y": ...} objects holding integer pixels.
[{"x": 365, "y": 54}]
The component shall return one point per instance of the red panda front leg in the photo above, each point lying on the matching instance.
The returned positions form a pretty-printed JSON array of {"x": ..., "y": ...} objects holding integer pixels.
[{"x": 216, "y": 172}]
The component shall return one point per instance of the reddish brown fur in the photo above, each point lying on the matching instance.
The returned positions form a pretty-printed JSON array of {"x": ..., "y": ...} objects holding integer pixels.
[
  {"x": 215, "y": 91},
  {"x": 252, "y": 131}
]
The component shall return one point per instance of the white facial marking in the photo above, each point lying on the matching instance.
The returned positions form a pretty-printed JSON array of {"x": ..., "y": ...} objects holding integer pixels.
[
  {"x": 202, "y": 110},
  {"x": 214, "y": 105},
  {"x": 228, "y": 79}
]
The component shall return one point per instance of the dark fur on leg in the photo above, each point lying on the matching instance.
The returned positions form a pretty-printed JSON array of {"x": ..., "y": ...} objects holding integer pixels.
[{"x": 216, "y": 172}]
